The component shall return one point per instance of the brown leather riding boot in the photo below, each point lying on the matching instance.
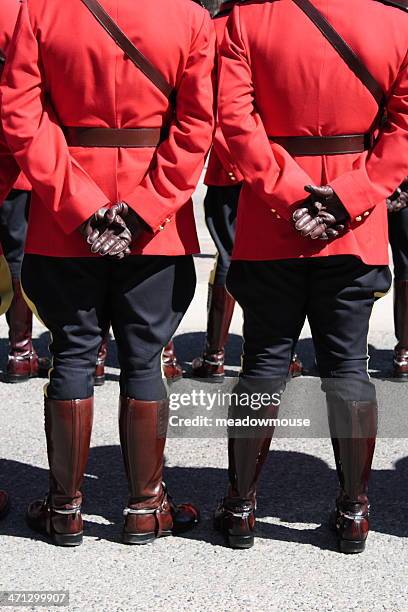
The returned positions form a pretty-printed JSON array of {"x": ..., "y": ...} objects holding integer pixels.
[
  {"x": 68, "y": 426},
  {"x": 220, "y": 310},
  {"x": 171, "y": 368},
  {"x": 23, "y": 360},
  {"x": 401, "y": 329},
  {"x": 235, "y": 516},
  {"x": 4, "y": 504},
  {"x": 353, "y": 439},
  {"x": 99, "y": 377},
  {"x": 150, "y": 513}
]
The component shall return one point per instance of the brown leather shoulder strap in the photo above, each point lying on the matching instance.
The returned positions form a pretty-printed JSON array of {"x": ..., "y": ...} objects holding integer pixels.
[
  {"x": 344, "y": 50},
  {"x": 128, "y": 47},
  {"x": 401, "y": 4}
]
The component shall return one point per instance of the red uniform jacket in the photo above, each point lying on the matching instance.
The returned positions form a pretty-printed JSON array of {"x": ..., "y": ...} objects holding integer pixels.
[
  {"x": 221, "y": 169},
  {"x": 8, "y": 16},
  {"x": 92, "y": 84},
  {"x": 281, "y": 77}
]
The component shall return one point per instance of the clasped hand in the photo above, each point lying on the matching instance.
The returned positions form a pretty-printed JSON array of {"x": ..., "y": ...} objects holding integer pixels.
[
  {"x": 399, "y": 198},
  {"x": 110, "y": 231},
  {"x": 322, "y": 215}
]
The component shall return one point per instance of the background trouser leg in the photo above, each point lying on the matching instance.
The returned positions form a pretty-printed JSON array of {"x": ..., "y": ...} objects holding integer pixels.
[{"x": 398, "y": 235}]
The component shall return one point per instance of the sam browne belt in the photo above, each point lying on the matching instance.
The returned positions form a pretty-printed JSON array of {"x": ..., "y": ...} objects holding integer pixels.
[
  {"x": 114, "y": 137},
  {"x": 324, "y": 145}
]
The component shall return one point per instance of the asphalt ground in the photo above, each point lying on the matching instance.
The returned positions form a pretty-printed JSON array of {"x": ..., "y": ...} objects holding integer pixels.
[{"x": 294, "y": 564}]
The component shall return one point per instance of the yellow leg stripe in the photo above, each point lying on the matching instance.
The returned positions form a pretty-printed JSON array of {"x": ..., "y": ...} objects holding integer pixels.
[
  {"x": 381, "y": 294},
  {"x": 34, "y": 310},
  {"x": 212, "y": 273},
  {"x": 6, "y": 286}
]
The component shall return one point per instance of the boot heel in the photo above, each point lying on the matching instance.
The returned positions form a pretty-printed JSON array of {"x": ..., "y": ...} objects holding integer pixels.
[
  {"x": 13, "y": 379},
  {"x": 241, "y": 541},
  {"x": 138, "y": 538},
  {"x": 67, "y": 539},
  {"x": 352, "y": 546}
]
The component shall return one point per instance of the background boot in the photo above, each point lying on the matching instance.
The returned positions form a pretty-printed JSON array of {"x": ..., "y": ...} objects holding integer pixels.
[
  {"x": 171, "y": 368},
  {"x": 150, "y": 512},
  {"x": 401, "y": 329},
  {"x": 4, "y": 504},
  {"x": 99, "y": 377},
  {"x": 296, "y": 367},
  {"x": 23, "y": 360},
  {"x": 68, "y": 426},
  {"x": 353, "y": 426},
  {"x": 220, "y": 310}
]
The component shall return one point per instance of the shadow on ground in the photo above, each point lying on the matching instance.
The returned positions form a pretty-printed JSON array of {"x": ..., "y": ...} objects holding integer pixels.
[{"x": 295, "y": 488}]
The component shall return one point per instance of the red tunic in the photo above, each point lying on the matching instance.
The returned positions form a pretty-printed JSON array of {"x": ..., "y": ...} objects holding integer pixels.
[
  {"x": 8, "y": 16},
  {"x": 92, "y": 84},
  {"x": 280, "y": 77}
]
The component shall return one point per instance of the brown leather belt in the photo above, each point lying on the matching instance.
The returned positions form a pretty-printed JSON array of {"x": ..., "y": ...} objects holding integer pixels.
[
  {"x": 325, "y": 145},
  {"x": 114, "y": 137}
]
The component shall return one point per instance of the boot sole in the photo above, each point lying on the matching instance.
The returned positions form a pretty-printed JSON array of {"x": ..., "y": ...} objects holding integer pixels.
[
  {"x": 99, "y": 381},
  {"x": 351, "y": 547},
  {"x": 14, "y": 379},
  {"x": 140, "y": 539},
  {"x": 240, "y": 542},
  {"x": 71, "y": 539},
  {"x": 210, "y": 379},
  {"x": 400, "y": 377}
]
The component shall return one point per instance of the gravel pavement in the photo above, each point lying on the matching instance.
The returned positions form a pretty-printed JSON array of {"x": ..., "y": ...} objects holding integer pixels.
[{"x": 294, "y": 564}]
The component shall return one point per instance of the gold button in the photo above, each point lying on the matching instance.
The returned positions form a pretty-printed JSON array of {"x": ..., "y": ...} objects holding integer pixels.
[
  {"x": 278, "y": 216},
  {"x": 273, "y": 210},
  {"x": 359, "y": 218},
  {"x": 163, "y": 225},
  {"x": 366, "y": 213}
]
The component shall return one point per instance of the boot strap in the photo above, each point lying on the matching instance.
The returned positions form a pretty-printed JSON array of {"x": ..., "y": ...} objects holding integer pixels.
[
  {"x": 354, "y": 517},
  {"x": 75, "y": 510},
  {"x": 29, "y": 355},
  {"x": 242, "y": 515},
  {"x": 212, "y": 363},
  {"x": 401, "y": 361},
  {"x": 127, "y": 511}
]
